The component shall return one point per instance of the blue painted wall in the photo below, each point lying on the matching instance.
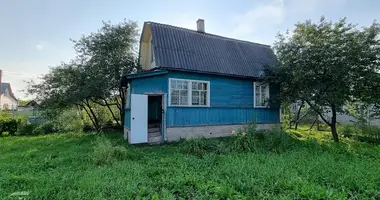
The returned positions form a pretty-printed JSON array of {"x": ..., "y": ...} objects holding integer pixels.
[
  {"x": 151, "y": 84},
  {"x": 188, "y": 116},
  {"x": 231, "y": 101},
  {"x": 225, "y": 91}
]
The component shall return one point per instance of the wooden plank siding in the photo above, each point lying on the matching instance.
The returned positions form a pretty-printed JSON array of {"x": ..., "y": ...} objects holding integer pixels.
[{"x": 231, "y": 101}]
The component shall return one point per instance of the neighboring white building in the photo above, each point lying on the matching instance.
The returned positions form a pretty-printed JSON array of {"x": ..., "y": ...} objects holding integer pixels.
[{"x": 8, "y": 101}]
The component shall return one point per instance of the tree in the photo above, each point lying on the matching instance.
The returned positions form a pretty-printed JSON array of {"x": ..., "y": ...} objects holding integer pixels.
[
  {"x": 327, "y": 64},
  {"x": 106, "y": 56},
  {"x": 94, "y": 75}
]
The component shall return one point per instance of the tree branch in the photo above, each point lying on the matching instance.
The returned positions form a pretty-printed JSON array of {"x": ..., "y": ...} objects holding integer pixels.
[{"x": 319, "y": 113}]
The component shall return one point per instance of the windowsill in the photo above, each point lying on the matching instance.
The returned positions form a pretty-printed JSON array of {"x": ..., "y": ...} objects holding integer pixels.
[
  {"x": 190, "y": 106},
  {"x": 261, "y": 107}
]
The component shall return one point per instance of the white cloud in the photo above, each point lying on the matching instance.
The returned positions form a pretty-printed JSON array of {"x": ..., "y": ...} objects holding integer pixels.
[
  {"x": 259, "y": 18},
  {"x": 40, "y": 46},
  {"x": 262, "y": 22}
]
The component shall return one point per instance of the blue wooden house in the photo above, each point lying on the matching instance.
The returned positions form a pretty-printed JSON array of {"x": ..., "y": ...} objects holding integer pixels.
[{"x": 197, "y": 84}]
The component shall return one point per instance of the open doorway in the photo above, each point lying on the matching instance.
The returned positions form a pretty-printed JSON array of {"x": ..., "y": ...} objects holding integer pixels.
[{"x": 155, "y": 113}]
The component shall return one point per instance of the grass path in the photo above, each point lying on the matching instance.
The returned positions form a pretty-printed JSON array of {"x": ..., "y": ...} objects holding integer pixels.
[{"x": 62, "y": 167}]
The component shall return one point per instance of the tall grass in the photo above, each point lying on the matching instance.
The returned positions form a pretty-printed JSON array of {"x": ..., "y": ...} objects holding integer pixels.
[{"x": 80, "y": 166}]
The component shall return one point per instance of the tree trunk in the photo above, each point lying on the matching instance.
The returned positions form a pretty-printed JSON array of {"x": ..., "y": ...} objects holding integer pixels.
[
  {"x": 113, "y": 115},
  {"x": 333, "y": 124},
  {"x": 297, "y": 121},
  {"x": 96, "y": 121},
  {"x": 89, "y": 116}
]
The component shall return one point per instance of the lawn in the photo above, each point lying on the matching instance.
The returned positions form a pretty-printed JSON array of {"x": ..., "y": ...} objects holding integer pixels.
[{"x": 83, "y": 166}]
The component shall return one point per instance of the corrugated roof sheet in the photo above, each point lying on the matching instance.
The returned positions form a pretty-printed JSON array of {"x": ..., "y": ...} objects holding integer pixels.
[{"x": 185, "y": 49}]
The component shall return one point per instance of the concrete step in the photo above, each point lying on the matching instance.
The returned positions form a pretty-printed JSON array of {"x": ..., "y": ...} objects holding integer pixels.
[
  {"x": 155, "y": 139},
  {"x": 154, "y": 134},
  {"x": 152, "y": 130},
  {"x": 154, "y": 125}
]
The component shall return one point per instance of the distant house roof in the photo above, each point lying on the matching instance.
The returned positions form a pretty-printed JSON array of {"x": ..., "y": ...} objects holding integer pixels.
[
  {"x": 4, "y": 87},
  {"x": 32, "y": 103},
  {"x": 189, "y": 50}
]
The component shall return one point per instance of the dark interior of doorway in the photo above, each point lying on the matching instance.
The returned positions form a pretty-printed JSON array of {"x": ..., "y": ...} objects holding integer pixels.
[{"x": 154, "y": 118}]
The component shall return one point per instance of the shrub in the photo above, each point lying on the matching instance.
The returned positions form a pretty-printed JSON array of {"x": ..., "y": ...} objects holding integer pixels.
[
  {"x": 277, "y": 141},
  {"x": 26, "y": 129},
  {"x": 106, "y": 153},
  {"x": 370, "y": 134},
  {"x": 199, "y": 147},
  {"x": 10, "y": 124},
  {"x": 244, "y": 142},
  {"x": 348, "y": 130},
  {"x": 4, "y": 134}
]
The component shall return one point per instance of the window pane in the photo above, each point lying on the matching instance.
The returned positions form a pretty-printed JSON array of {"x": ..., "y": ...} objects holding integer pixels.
[
  {"x": 195, "y": 98},
  {"x": 263, "y": 89},
  {"x": 203, "y": 98},
  {"x": 183, "y": 97},
  {"x": 194, "y": 85},
  {"x": 204, "y": 86},
  {"x": 174, "y": 98},
  {"x": 258, "y": 100},
  {"x": 263, "y": 100}
]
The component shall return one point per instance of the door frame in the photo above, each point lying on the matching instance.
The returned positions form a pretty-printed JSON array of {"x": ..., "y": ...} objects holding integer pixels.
[{"x": 164, "y": 108}]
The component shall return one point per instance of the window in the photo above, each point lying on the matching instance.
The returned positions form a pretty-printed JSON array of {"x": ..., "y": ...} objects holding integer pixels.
[
  {"x": 261, "y": 94},
  {"x": 189, "y": 92}
]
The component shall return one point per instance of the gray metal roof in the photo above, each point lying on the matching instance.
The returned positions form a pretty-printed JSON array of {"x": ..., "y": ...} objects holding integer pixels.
[{"x": 184, "y": 49}]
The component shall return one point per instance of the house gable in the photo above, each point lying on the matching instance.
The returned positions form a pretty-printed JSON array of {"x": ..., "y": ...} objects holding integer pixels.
[{"x": 146, "y": 54}]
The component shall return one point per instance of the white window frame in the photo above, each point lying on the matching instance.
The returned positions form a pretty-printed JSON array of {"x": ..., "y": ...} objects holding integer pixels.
[
  {"x": 189, "y": 93},
  {"x": 266, "y": 95}
]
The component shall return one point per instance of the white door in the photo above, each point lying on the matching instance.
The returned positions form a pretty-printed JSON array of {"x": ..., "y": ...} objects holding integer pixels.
[{"x": 139, "y": 119}]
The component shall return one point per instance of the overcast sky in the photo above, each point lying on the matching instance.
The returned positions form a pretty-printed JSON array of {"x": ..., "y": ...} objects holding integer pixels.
[{"x": 34, "y": 34}]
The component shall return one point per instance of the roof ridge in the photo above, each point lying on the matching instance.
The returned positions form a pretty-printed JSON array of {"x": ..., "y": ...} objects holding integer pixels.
[{"x": 210, "y": 34}]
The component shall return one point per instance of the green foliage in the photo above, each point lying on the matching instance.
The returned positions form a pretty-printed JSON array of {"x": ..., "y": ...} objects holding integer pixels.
[
  {"x": 277, "y": 141},
  {"x": 62, "y": 166},
  {"x": 327, "y": 64},
  {"x": 5, "y": 134},
  {"x": 94, "y": 76},
  {"x": 197, "y": 147},
  {"x": 27, "y": 129},
  {"x": 67, "y": 121},
  {"x": 244, "y": 142},
  {"x": 107, "y": 153},
  {"x": 10, "y": 123}
]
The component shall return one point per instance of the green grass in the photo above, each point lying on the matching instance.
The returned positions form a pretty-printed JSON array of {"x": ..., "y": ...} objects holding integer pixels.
[{"x": 82, "y": 166}]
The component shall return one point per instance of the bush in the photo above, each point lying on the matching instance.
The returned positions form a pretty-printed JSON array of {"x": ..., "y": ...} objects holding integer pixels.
[
  {"x": 10, "y": 124},
  {"x": 369, "y": 134},
  {"x": 26, "y": 129},
  {"x": 5, "y": 134},
  {"x": 244, "y": 142},
  {"x": 106, "y": 153},
  {"x": 200, "y": 146},
  {"x": 348, "y": 130},
  {"x": 277, "y": 141}
]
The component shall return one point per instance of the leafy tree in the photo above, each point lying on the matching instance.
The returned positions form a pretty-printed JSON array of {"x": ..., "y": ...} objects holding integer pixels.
[
  {"x": 94, "y": 75},
  {"x": 327, "y": 64},
  {"x": 106, "y": 56}
]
